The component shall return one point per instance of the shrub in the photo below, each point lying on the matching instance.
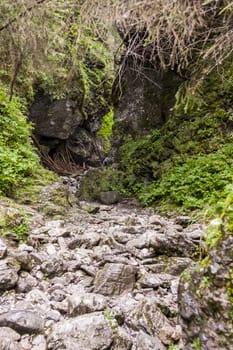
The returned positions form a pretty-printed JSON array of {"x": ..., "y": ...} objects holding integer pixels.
[{"x": 17, "y": 156}]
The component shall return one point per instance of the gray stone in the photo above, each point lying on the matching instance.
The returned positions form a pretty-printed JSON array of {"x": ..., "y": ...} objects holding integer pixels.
[
  {"x": 144, "y": 341},
  {"x": 6, "y": 332},
  {"x": 39, "y": 343},
  {"x": 61, "y": 117},
  {"x": 8, "y": 344},
  {"x": 26, "y": 282},
  {"x": 3, "y": 249},
  {"x": 115, "y": 279},
  {"x": 91, "y": 331},
  {"x": 176, "y": 244},
  {"x": 8, "y": 277},
  {"x": 22, "y": 321},
  {"x": 83, "y": 303},
  {"x": 122, "y": 340},
  {"x": 109, "y": 197},
  {"x": 52, "y": 266},
  {"x": 153, "y": 280}
]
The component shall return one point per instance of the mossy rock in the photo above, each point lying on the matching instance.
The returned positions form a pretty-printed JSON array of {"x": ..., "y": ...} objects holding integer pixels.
[{"x": 206, "y": 289}]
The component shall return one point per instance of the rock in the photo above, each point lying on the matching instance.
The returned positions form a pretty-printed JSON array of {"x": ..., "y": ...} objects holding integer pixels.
[
  {"x": 84, "y": 303},
  {"x": 109, "y": 197},
  {"x": 122, "y": 340},
  {"x": 146, "y": 342},
  {"x": 22, "y": 321},
  {"x": 24, "y": 259},
  {"x": 39, "y": 343},
  {"x": 89, "y": 239},
  {"x": 9, "y": 339},
  {"x": 3, "y": 249},
  {"x": 204, "y": 303},
  {"x": 148, "y": 109},
  {"x": 184, "y": 221},
  {"x": 8, "y": 344},
  {"x": 83, "y": 146},
  {"x": 6, "y": 332},
  {"x": 52, "y": 266},
  {"x": 152, "y": 280},
  {"x": 26, "y": 282},
  {"x": 61, "y": 116},
  {"x": 8, "y": 277},
  {"x": 172, "y": 244},
  {"x": 91, "y": 331},
  {"x": 115, "y": 279}
]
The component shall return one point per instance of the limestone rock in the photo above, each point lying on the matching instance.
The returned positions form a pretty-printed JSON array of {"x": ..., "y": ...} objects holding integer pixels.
[
  {"x": 23, "y": 321},
  {"x": 8, "y": 277},
  {"x": 144, "y": 341},
  {"x": 3, "y": 248},
  {"x": 9, "y": 339},
  {"x": 91, "y": 331},
  {"x": 115, "y": 279},
  {"x": 83, "y": 303}
]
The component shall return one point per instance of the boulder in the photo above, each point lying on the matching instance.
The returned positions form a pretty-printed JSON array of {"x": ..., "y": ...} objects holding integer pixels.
[
  {"x": 55, "y": 119},
  {"x": 91, "y": 331},
  {"x": 22, "y": 321},
  {"x": 115, "y": 279},
  {"x": 109, "y": 197}
]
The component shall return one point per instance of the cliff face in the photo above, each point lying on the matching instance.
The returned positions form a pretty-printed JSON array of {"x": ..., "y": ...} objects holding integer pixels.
[{"x": 142, "y": 99}]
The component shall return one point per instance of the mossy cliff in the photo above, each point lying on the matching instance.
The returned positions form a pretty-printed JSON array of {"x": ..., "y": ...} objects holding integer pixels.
[{"x": 187, "y": 162}]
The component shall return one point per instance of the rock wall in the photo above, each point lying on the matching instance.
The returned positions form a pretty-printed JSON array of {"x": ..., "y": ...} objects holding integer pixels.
[
  {"x": 68, "y": 121},
  {"x": 142, "y": 97}
]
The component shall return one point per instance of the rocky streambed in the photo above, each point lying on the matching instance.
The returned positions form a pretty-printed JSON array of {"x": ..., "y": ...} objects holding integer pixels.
[{"x": 103, "y": 277}]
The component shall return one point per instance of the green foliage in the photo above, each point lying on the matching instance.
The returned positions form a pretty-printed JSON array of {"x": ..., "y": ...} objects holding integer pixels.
[
  {"x": 106, "y": 130},
  {"x": 17, "y": 156},
  {"x": 14, "y": 220},
  {"x": 173, "y": 347},
  {"x": 103, "y": 180},
  {"x": 188, "y": 162},
  {"x": 196, "y": 344},
  {"x": 193, "y": 181}
]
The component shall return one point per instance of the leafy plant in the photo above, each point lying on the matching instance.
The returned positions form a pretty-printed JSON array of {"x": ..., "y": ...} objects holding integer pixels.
[{"x": 17, "y": 155}]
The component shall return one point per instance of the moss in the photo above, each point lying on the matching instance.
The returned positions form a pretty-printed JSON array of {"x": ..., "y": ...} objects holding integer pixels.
[
  {"x": 187, "y": 164},
  {"x": 106, "y": 130},
  {"x": 94, "y": 75},
  {"x": 30, "y": 192},
  {"x": 13, "y": 218},
  {"x": 103, "y": 180}
]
